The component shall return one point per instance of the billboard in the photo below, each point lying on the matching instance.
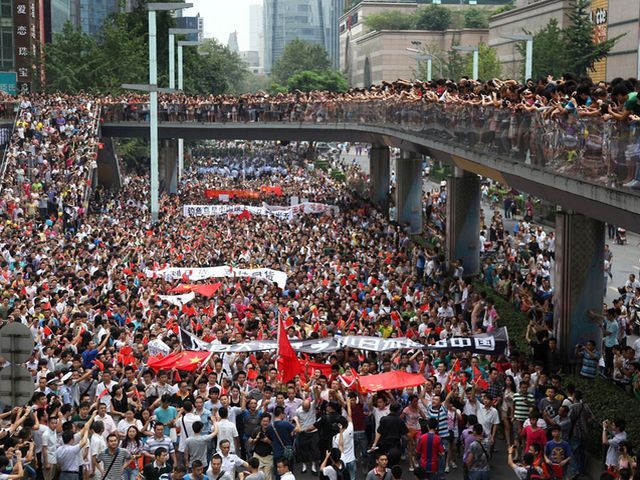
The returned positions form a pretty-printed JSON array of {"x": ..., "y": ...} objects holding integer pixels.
[{"x": 8, "y": 81}]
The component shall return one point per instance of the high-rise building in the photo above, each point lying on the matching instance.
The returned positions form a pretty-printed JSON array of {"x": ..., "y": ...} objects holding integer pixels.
[
  {"x": 232, "y": 43},
  {"x": 314, "y": 21},
  {"x": 56, "y": 14},
  {"x": 89, "y": 15},
  {"x": 256, "y": 31},
  {"x": 196, "y": 23}
]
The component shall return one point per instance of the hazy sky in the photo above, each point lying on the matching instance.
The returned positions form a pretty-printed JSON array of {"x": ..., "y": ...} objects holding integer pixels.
[{"x": 221, "y": 17}]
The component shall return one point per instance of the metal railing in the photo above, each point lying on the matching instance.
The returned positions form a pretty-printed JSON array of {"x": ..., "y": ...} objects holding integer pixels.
[
  {"x": 588, "y": 148},
  {"x": 3, "y": 166}
]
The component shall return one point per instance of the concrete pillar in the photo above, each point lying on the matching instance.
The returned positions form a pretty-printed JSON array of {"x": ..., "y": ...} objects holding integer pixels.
[
  {"x": 578, "y": 281},
  {"x": 409, "y": 190},
  {"x": 379, "y": 175},
  {"x": 168, "y": 166},
  {"x": 463, "y": 221}
]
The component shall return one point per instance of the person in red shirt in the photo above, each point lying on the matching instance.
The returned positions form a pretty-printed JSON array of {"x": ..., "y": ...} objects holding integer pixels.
[
  {"x": 534, "y": 434},
  {"x": 430, "y": 452}
]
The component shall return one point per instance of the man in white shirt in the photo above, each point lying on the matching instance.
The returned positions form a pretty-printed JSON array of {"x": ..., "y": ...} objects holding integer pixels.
[
  {"x": 185, "y": 423},
  {"x": 230, "y": 461},
  {"x": 107, "y": 421},
  {"x": 103, "y": 390},
  {"x": 49, "y": 447},
  {"x": 344, "y": 441},
  {"x": 227, "y": 430},
  {"x": 489, "y": 419},
  {"x": 97, "y": 445},
  {"x": 283, "y": 470}
]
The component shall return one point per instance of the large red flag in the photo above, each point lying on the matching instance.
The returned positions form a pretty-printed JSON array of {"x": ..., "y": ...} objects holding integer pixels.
[{"x": 288, "y": 363}]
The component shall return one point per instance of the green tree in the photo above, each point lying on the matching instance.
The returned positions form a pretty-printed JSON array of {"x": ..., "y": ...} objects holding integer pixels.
[
  {"x": 309, "y": 80},
  {"x": 433, "y": 17},
  {"x": 548, "y": 53},
  {"x": 392, "y": 20},
  {"x": 213, "y": 68},
  {"x": 439, "y": 62},
  {"x": 71, "y": 61},
  {"x": 299, "y": 56},
  {"x": 579, "y": 46},
  {"x": 123, "y": 57},
  {"x": 476, "y": 18},
  {"x": 456, "y": 65},
  {"x": 502, "y": 9},
  {"x": 489, "y": 65}
]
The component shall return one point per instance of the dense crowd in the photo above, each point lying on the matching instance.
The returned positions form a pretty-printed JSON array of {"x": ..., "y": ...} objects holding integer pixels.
[
  {"x": 99, "y": 411},
  {"x": 50, "y": 162},
  {"x": 555, "y": 97}
]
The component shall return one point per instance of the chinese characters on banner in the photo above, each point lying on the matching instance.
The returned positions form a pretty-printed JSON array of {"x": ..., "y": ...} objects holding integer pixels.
[
  {"x": 493, "y": 343},
  {"x": 600, "y": 20},
  {"x": 27, "y": 28}
]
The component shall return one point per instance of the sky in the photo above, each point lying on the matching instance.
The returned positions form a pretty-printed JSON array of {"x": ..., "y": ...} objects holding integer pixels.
[{"x": 221, "y": 17}]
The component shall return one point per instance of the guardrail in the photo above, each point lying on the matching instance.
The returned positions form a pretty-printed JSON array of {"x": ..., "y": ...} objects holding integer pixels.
[
  {"x": 588, "y": 148},
  {"x": 3, "y": 166}
]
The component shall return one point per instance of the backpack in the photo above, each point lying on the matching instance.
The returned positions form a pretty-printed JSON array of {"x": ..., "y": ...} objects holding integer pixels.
[
  {"x": 532, "y": 474},
  {"x": 341, "y": 473}
]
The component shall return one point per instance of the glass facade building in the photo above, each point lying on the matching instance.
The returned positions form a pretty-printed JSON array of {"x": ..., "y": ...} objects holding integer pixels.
[{"x": 314, "y": 21}]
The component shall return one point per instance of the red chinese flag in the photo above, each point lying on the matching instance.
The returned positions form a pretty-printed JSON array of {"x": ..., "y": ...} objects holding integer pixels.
[
  {"x": 127, "y": 271},
  {"x": 245, "y": 215},
  {"x": 288, "y": 363},
  {"x": 99, "y": 364},
  {"x": 46, "y": 331},
  {"x": 207, "y": 290}
]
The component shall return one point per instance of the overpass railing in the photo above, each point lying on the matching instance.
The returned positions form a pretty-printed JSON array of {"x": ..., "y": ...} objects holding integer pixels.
[{"x": 586, "y": 148}]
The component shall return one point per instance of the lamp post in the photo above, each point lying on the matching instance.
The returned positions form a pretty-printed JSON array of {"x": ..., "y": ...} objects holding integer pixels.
[
  {"x": 470, "y": 48},
  {"x": 421, "y": 57},
  {"x": 528, "y": 61},
  {"x": 153, "y": 97},
  {"x": 181, "y": 44},
  {"x": 172, "y": 54}
]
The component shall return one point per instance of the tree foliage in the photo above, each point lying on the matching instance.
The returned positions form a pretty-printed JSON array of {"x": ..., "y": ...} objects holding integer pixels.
[
  {"x": 433, "y": 17},
  {"x": 572, "y": 49},
  {"x": 213, "y": 68},
  {"x": 309, "y": 80},
  {"x": 75, "y": 61},
  {"x": 476, "y": 18},
  {"x": 299, "y": 56},
  {"x": 548, "y": 55},
  {"x": 581, "y": 50},
  {"x": 456, "y": 66},
  {"x": 489, "y": 65},
  {"x": 392, "y": 20}
]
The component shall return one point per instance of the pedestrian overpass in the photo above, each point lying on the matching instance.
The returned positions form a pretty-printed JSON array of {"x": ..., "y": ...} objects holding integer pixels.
[{"x": 580, "y": 165}]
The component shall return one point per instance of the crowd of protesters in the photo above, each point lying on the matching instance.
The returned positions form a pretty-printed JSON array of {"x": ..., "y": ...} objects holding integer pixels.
[{"x": 76, "y": 280}]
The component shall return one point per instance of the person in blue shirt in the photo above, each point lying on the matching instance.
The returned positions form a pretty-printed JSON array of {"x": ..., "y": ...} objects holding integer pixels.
[
  {"x": 92, "y": 351},
  {"x": 197, "y": 472},
  {"x": 166, "y": 414},
  {"x": 557, "y": 453}
]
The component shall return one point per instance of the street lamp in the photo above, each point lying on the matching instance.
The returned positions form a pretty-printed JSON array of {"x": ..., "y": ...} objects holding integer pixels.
[
  {"x": 470, "y": 48},
  {"x": 172, "y": 55},
  {"x": 421, "y": 57},
  {"x": 182, "y": 43},
  {"x": 153, "y": 97},
  {"x": 528, "y": 62}
]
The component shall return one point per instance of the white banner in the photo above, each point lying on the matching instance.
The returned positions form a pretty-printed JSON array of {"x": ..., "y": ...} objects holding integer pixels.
[
  {"x": 158, "y": 347},
  {"x": 178, "y": 300},
  {"x": 226, "y": 271},
  {"x": 284, "y": 213}
]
